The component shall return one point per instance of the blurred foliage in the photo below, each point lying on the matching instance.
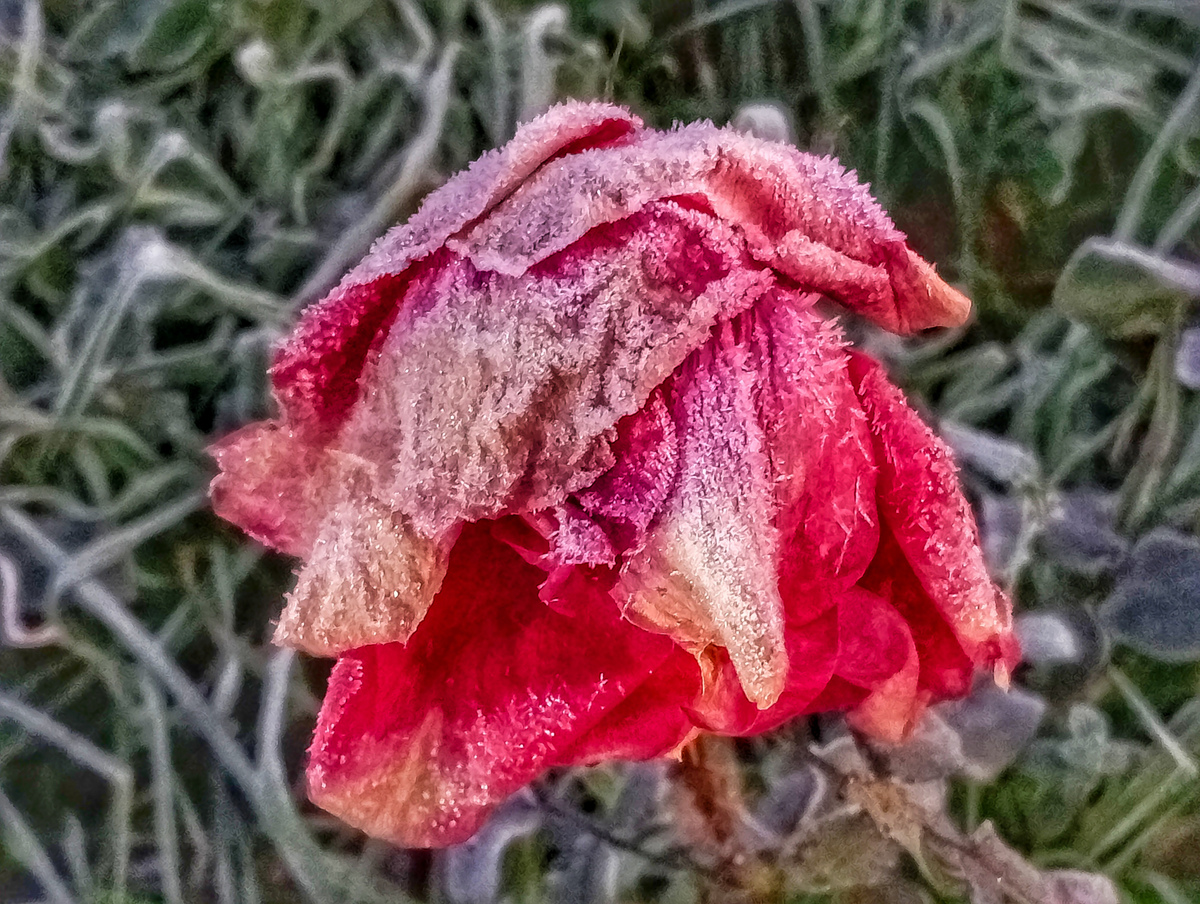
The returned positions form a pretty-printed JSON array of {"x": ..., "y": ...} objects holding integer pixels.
[{"x": 177, "y": 177}]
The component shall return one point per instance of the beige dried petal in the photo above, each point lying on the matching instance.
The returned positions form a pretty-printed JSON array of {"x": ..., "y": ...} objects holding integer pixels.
[{"x": 369, "y": 579}]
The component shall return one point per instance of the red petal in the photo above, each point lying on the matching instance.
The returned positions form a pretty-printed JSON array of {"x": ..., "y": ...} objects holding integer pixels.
[
  {"x": 650, "y": 718},
  {"x": 821, "y": 456},
  {"x": 709, "y": 572},
  {"x": 634, "y": 490},
  {"x": 945, "y": 667},
  {"x": 315, "y": 372},
  {"x": 418, "y": 743},
  {"x": 931, "y": 522},
  {"x": 812, "y": 652},
  {"x": 876, "y": 652},
  {"x": 773, "y": 507}
]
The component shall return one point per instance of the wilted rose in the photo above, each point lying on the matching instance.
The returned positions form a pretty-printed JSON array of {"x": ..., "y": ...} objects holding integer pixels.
[{"x": 577, "y": 469}]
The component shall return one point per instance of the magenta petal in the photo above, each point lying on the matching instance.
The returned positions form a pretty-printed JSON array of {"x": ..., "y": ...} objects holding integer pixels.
[
  {"x": 417, "y": 743},
  {"x": 646, "y": 450},
  {"x": 821, "y": 454},
  {"x": 650, "y": 718},
  {"x": 945, "y": 669},
  {"x": 773, "y": 505},
  {"x": 876, "y": 652}
]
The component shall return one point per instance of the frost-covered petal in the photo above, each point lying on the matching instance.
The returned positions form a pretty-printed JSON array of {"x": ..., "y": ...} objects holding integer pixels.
[
  {"x": 708, "y": 571},
  {"x": 801, "y": 214},
  {"x": 646, "y": 452},
  {"x": 274, "y": 485},
  {"x": 774, "y": 492},
  {"x": 931, "y": 521},
  {"x": 496, "y": 393},
  {"x": 812, "y": 652},
  {"x": 417, "y": 743},
  {"x": 821, "y": 455},
  {"x": 369, "y": 578},
  {"x": 316, "y": 371}
]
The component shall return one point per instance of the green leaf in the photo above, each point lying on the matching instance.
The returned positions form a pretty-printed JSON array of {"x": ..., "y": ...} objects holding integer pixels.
[{"x": 1124, "y": 291}]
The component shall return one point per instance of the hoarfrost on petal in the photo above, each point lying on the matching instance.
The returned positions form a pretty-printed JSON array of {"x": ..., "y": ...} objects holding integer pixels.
[
  {"x": 804, "y": 215},
  {"x": 496, "y": 393},
  {"x": 274, "y": 485},
  {"x": 708, "y": 573},
  {"x": 316, "y": 371}
]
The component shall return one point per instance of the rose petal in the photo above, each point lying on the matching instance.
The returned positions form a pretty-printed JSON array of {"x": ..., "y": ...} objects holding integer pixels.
[
  {"x": 650, "y": 718},
  {"x": 774, "y": 445},
  {"x": 417, "y": 743},
  {"x": 497, "y": 394},
  {"x": 876, "y": 652},
  {"x": 812, "y": 652},
  {"x": 708, "y": 572},
  {"x": 370, "y": 578},
  {"x": 931, "y": 521},
  {"x": 946, "y": 669},
  {"x": 316, "y": 371},
  {"x": 821, "y": 457},
  {"x": 803, "y": 215},
  {"x": 634, "y": 490},
  {"x": 273, "y": 485}
]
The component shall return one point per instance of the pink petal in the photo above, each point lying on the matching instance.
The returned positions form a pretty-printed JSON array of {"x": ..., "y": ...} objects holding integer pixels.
[
  {"x": 370, "y": 577},
  {"x": 417, "y": 743},
  {"x": 317, "y": 369},
  {"x": 803, "y": 215},
  {"x": 634, "y": 490},
  {"x": 650, "y": 718},
  {"x": 273, "y": 485},
  {"x": 775, "y": 493},
  {"x": 931, "y": 522}
]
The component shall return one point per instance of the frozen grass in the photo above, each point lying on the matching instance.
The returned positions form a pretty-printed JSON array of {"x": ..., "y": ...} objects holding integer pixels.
[{"x": 178, "y": 176}]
